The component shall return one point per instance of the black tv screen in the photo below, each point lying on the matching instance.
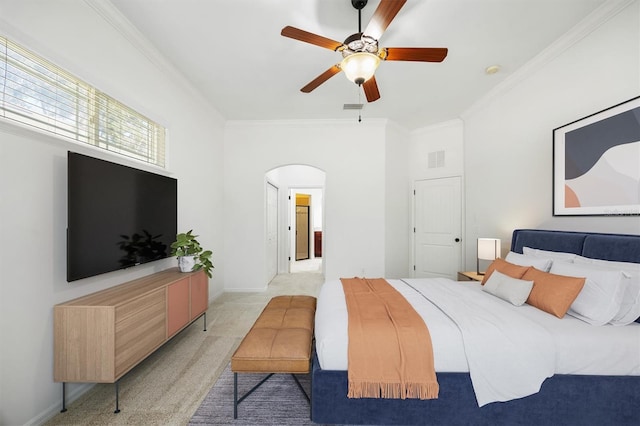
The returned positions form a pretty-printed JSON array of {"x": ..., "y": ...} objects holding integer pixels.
[{"x": 118, "y": 216}]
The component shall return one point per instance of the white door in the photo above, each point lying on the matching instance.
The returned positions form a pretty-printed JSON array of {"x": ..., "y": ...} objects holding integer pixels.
[
  {"x": 272, "y": 232},
  {"x": 437, "y": 227},
  {"x": 302, "y": 232}
]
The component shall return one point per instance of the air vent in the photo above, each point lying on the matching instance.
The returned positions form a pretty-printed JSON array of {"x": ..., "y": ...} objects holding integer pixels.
[
  {"x": 352, "y": 106},
  {"x": 435, "y": 159}
]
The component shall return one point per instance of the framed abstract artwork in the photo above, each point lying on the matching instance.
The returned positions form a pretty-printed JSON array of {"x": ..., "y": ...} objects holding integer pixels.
[{"x": 596, "y": 163}]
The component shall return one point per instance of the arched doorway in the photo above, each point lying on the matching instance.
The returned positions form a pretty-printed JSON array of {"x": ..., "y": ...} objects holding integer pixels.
[{"x": 290, "y": 181}]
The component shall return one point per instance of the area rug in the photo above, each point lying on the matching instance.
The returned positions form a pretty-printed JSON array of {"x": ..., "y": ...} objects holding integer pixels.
[{"x": 278, "y": 401}]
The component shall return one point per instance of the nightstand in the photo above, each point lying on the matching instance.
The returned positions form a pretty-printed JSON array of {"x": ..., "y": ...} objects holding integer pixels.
[{"x": 469, "y": 276}]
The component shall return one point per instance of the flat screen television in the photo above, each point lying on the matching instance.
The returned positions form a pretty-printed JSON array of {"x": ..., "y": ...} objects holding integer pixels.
[{"x": 117, "y": 216}]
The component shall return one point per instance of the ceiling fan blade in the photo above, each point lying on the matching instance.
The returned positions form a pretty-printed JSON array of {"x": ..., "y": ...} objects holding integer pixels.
[
  {"x": 419, "y": 54},
  {"x": 382, "y": 17},
  {"x": 371, "y": 89},
  {"x": 307, "y": 37},
  {"x": 321, "y": 79}
]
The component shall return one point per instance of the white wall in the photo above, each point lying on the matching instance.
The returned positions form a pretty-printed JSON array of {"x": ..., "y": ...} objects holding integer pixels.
[
  {"x": 397, "y": 203},
  {"x": 351, "y": 154},
  {"x": 508, "y": 138},
  {"x": 447, "y": 137},
  {"x": 33, "y": 190}
]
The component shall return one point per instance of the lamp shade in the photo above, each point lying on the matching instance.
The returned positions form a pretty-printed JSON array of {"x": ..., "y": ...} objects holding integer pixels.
[
  {"x": 360, "y": 67},
  {"x": 488, "y": 249}
]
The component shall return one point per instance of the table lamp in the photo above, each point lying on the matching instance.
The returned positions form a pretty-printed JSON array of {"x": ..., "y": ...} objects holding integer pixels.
[{"x": 488, "y": 249}]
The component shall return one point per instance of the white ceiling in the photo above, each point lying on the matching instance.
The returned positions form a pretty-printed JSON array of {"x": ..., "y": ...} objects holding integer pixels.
[{"x": 232, "y": 51}]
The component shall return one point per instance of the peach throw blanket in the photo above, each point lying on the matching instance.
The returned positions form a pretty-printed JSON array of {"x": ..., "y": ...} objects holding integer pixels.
[{"x": 390, "y": 352}]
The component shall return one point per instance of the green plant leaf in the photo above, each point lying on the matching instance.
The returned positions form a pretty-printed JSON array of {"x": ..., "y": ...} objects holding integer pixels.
[{"x": 186, "y": 244}]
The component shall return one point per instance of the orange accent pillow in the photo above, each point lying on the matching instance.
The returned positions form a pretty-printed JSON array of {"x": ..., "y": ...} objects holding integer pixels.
[
  {"x": 507, "y": 268},
  {"x": 553, "y": 293}
]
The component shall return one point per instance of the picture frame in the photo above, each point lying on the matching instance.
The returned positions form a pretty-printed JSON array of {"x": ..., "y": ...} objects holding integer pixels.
[{"x": 596, "y": 163}]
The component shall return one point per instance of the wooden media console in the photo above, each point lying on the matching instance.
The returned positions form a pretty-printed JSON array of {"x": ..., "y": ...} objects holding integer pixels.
[{"x": 100, "y": 337}]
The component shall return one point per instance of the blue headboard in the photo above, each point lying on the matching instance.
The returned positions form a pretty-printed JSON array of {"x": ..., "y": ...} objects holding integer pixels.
[{"x": 618, "y": 247}]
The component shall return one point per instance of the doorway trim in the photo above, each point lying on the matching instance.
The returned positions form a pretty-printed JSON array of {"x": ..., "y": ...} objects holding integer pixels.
[
  {"x": 272, "y": 230},
  {"x": 292, "y": 178}
]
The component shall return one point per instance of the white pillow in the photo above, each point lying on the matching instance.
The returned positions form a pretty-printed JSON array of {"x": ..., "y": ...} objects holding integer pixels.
[
  {"x": 512, "y": 290},
  {"x": 553, "y": 255},
  {"x": 540, "y": 263},
  {"x": 628, "y": 269},
  {"x": 601, "y": 297},
  {"x": 630, "y": 307}
]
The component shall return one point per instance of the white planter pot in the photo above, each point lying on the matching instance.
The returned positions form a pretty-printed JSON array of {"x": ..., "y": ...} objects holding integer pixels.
[{"x": 186, "y": 263}]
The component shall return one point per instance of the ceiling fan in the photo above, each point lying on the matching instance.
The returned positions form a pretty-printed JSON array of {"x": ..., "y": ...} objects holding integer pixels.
[{"x": 360, "y": 51}]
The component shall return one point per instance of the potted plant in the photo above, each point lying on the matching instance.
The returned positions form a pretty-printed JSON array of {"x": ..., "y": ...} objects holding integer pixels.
[{"x": 191, "y": 255}]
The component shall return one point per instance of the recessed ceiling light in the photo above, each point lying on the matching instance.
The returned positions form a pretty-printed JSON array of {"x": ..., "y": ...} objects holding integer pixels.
[{"x": 492, "y": 69}]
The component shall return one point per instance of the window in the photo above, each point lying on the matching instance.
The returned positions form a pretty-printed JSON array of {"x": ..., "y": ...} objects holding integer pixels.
[{"x": 37, "y": 93}]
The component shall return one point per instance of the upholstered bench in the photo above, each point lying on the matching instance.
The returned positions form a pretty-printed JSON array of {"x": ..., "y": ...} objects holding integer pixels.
[{"x": 280, "y": 341}]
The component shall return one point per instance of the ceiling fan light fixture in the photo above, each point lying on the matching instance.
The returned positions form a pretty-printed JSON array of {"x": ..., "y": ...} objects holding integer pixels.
[
  {"x": 360, "y": 67},
  {"x": 360, "y": 51}
]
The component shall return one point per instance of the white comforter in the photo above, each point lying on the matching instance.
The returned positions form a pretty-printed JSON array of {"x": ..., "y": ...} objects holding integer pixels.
[{"x": 508, "y": 351}]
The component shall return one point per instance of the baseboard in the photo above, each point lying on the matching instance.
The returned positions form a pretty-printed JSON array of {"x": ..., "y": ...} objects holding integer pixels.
[{"x": 78, "y": 390}]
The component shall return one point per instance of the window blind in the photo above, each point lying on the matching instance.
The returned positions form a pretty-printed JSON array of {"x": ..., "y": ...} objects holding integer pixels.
[{"x": 40, "y": 94}]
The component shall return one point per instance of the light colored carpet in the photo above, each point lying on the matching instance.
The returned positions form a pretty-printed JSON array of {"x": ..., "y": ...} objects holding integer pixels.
[
  {"x": 278, "y": 401},
  {"x": 168, "y": 387},
  {"x": 307, "y": 265}
]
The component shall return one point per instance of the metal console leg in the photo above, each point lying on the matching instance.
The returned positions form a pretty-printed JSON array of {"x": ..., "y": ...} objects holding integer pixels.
[
  {"x": 64, "y": 398},
  {"x": 117, "y": 402}
]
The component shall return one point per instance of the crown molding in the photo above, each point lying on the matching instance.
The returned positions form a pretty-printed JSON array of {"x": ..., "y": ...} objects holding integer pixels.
[
  {"x": 308, "y": 122},
  {"x": 581, "y": 30}
]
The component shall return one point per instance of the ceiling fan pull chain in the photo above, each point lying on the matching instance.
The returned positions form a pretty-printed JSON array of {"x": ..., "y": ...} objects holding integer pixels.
[{"x": 359, "y": 103}]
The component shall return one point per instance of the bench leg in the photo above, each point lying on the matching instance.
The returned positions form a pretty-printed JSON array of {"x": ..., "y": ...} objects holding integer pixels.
[
  {"x": 301, "y": 388},
  {"x": 235, "y": 395},
  {"x": 237, "y": 401}
]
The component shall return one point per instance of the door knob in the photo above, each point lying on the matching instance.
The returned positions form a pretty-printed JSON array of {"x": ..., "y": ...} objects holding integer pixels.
[{"x": 457, "y": 240}]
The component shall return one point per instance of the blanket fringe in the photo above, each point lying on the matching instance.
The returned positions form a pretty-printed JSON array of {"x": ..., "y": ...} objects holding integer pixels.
[{"x": 411, "y": 390}]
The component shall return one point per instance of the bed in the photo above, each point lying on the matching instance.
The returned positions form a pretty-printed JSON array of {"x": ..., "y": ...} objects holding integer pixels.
[{"x": 575, "y": 394}]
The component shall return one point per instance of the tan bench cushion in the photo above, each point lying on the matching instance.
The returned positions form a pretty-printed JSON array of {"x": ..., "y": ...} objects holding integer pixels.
[{"x": 280, "y": 339}]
